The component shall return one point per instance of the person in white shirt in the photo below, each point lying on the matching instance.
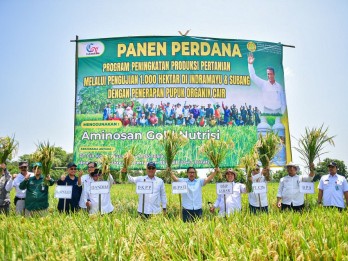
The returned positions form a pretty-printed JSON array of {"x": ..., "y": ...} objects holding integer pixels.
[
  {"x": 152, "y": 202},
  {"x": 92, "y": 200},
  {"x": 19, "y": 199},
  {"x": 258, "y": 202},
  {"x": 333, "y": 188},
  {"x": 85, "y": 181},
  {"x": 289, "y": 195},
  {"x": 234, "y": 200},
  {"x": 272, "y": 92}
]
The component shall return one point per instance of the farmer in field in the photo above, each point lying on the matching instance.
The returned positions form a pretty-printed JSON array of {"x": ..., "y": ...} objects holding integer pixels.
[
  {"x": 332, "y": 188},
  {"x": 152, "y": 202},
  {"x": 71, "y": 205},
  {"x": 92, "y": 200},
  {"x": 4, "y": 194},
  {"x": 234, "y": 200},
  {"x": 36, "y": 201},
  {"x": 19, "y": 199},
  {"x": 289, "y": 195},
  {"x": 192, "y": 201},
  {"x": 258, "y": 202},
  {"x": 85, "y": 181}
]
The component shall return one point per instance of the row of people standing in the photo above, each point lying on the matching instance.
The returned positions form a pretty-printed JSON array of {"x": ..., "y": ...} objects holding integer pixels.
[{"x": 32, "y": 191}]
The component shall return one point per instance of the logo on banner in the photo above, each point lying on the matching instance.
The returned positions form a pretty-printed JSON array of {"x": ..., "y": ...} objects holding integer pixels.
[{"x": 91, "y": 49}]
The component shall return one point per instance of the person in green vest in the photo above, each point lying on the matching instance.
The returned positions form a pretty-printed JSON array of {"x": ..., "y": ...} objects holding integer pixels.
[{"x": 36, "y": 201}]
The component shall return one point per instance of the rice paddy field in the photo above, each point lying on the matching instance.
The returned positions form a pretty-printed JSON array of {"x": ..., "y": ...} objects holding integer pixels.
[{"x": 316, "y": 234}]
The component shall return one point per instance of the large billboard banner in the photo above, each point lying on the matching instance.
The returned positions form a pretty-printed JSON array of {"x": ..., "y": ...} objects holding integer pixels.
[{"x": 131, "y": 90}]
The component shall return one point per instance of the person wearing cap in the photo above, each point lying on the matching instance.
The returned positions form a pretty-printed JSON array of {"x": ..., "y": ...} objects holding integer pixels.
[
  {"x": 258, "y": 202},
  {"x": 192, "y": 201},
  {"x": 36, "y": 200},
  {"x": 85, "y": 181},
  {"x": 92, "y": 200},
  {"x": 72, "y": 204},
  {"x": 190, "y": 121},
  {"x": 289, "y": 195},
  {"x": 209, "y": 112},
  {"x": 333, "y": 188},
  {"x": 195, "y": 111},
  {"x": 4, "y": 194},
  {"x": 153, "y": 202},
  {"x": 16, "y": 180},
  {"x": 234, "y": 200}
]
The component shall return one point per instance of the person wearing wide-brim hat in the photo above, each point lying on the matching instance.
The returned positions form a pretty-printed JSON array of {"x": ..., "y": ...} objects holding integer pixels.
[
  {"x": 332, "y": 188},
  {"x": 258, "y": 202},
  {"x": 289, "y": 195},
  {"x": 234, "y": 200}
]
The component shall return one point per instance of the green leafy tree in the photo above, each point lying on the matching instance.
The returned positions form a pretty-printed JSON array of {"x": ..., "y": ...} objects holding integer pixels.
[{"x": 322, "y": 168}]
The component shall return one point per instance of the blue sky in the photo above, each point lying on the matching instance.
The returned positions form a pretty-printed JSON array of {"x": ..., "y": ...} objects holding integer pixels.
[{"x": 37, "y": 57}]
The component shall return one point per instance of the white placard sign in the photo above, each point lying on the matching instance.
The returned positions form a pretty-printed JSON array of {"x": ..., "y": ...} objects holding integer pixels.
[
  {"x": 259, "y": 187},
  {"x": 224, "y": 188},
  {"x": 179, "y": 187},
  {"x": 63, "y": 192},
  {"x": 100, "y": 187},
  {"x": 144, "y": 187},
  {"x": 307, "y": 187}
]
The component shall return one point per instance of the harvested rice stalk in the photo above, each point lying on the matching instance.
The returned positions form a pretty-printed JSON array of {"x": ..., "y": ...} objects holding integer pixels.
[
  {"x": 172, "y": 143},
  {"x": 249, "y": 162},
  {"x": 8, "y": 148},
  {"x": 267, "y": 147},
  {"x": 216, "y": 151},
  {"x": 105, "y": 161},
  {"x": 45, "y": 154},
  {"x": 311, "y": 145}
]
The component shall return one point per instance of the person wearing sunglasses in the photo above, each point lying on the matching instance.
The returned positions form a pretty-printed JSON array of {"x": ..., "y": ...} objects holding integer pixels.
[
  {"x": 152, "y": 202},
  {"x": 36, "y": 200},
  {"x": 72, "y": 204},
  {"x": 86, "y": 179},
  {"x": 19, "y": 199},
  {"x": 258, "y": 202},
  {"x": 93, "y": 201}
]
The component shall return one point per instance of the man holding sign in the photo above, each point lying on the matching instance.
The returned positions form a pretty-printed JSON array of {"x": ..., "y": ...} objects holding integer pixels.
[
  {"x": 258, "y": 199},
  {"x": 70, "y": 204},
  {"x": 97, "y": 194},
  {"x": 289, "y": 195},
  {"x": 150, "y": 203},
  {"x": 192, "y": 201},
  {"x": 332, "y": 188}
]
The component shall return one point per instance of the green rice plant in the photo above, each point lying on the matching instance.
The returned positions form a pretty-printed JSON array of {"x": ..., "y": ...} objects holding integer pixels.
[
  {"x": 172, "y": 142},
  {"x": 8, "y": 148},
  {"x": 105, "y": 162},
  {"x": 267, "y": 147},
  {"x": 312, "y": 144},
  {"x": 249, "y": 162},
  {"x": 45, "y": 154},
  {"x": 216, "y": 151}
]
